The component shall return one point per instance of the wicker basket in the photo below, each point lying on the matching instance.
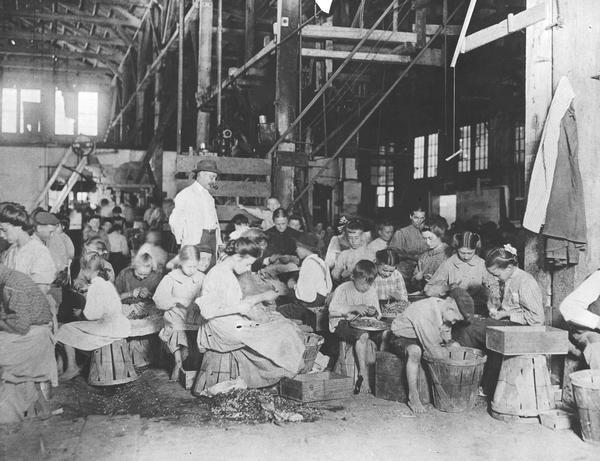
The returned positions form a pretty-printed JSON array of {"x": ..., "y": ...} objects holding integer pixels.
[
  {"x": 455, "y": 377},
  {"x": 313, "y": 344}
]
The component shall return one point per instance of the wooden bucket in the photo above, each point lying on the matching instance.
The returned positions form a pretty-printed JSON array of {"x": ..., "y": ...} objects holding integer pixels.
[
  {"x": 216, "y": 367},
  {"x": 390, "y": 379},
  {"x": 586, "y": 388},
  {"x": 142, "y": 350},
  {"x": 111, "y": 365},
  {"x": 524, "y": 387},
  {"x": 455, "y": 377}
]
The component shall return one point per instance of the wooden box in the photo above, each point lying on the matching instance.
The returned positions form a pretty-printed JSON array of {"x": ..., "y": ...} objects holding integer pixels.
[
  {"x": 315, "y": 387},
  {"x": 187, "y": 377},
  {"x": 517, "y": 340}
]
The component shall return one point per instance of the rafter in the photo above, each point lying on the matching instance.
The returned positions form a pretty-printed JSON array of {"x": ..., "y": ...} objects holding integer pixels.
[
  {"x": 50, "y": 36},
  {"x": 71, "y": 18},
  {"x": 53, "y": 51}
]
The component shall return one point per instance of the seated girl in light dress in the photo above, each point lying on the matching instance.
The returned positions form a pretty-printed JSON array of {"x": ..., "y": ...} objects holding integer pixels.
[
  {"x": 175, "y": 295},
  {"x": 105, "y": 322}
]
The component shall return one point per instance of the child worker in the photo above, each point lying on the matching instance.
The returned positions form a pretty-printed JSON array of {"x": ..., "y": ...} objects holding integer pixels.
[
  {"x": 347, "y": 259},
  {"x": 389, "y": 283},
  {"x": 351, "y": 300},
  {"x": 175, "y": 296},
  {"x": 105, "y": 321},
  {"x": 136, "y": 285},
  {"x": 424, "y": 327}
]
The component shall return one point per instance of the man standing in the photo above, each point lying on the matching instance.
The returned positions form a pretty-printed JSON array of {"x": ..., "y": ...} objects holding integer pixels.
[
  {"x": 194, "y": 219},
  {"x": 409, "y": 239},
  {"x": 410, "y": 244}
]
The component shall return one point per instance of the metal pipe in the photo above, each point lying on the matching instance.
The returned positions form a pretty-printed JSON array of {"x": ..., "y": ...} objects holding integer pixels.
[
  {"x": 377, "y": 104},
  {"x": 333, "y": 76},
  {"x": 180, "y": 76}
]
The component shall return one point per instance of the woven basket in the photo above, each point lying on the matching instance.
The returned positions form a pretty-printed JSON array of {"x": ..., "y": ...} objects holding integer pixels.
[{"x": 455, "y": 377}]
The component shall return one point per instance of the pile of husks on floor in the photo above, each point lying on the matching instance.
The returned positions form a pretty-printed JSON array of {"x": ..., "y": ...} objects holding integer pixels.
[{"x": 249, "y": 405}]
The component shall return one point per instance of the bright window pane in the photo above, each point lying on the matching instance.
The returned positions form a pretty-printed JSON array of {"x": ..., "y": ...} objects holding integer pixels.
[
  {"x": 464, "y": 164},
  {"x": 9, "y": 110},
  {"x": 29, "y": 96},
  {"x": 432, "y": 155},
  {"x": 87, "y": 113},
  {"x": 520, "y": 144},
  {"x": 390, "y": 203},
  {"x": 419, "y": 157},
  {"x": 62, "y": 124},
  {"x": 381, "y": 191},
  {"x": 481, "y": 146}
]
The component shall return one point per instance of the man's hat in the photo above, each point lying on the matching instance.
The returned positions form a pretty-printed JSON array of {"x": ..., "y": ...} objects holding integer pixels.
[
  {"x": 308, "y": 241},
  {"x": 465, "y": 303},
  {"x": 207, "y": 164},
  {"x": 43, "y": 218}
]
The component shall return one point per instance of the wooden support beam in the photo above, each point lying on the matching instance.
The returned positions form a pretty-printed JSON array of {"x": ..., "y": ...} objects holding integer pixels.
[
  {"x": 354, "y": 34},
  {"x": 249, "y": 29},
  {"x": 35, "y": 36},
  {"x": 70, "y": 18},
  {"x": 203, "y": 117},
  {"x": 57, "y": 67},
  {"x": 191, "y": 14},
  {"x": 57, "y": 52},
  {"x": 431, "y": 57},
  {"x": 512, "y": 23}
]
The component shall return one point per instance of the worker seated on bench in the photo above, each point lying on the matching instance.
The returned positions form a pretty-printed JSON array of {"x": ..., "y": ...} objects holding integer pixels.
[
  {"x": 105, "y": 322},
  {"x": 351, "y": 300},
  {"x": 581, "y": 309},
  {"x": 425, "y": 327},
  {"x": 313, "y": 284},
  {"x": 26, "y": 349}
]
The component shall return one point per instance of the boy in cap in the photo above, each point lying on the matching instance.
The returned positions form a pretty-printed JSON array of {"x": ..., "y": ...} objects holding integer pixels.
[{"x": 425, "y": 326}]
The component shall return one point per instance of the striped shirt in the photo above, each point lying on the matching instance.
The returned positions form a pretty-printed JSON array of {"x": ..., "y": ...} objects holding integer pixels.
[
  {"x": 523, "y": 299},
  {"x": 431, "y": 260}
]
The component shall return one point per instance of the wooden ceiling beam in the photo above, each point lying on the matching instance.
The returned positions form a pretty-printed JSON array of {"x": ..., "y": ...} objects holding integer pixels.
[
  {"x": 70, "y": 17},
  {"x": 58, "y": 52},
  {"x": 46, "y": 36}
]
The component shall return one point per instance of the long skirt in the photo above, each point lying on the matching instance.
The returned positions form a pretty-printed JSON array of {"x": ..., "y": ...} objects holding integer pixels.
[{"x": 178, "y": 320}]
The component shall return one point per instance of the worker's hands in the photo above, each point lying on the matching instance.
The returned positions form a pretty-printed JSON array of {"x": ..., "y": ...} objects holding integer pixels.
[
  {"x": 346, "y": 274},
  {"x": 363, "y": 309},
  {"x": 396, "y": 295},
  {"x": 141, "y": 292},
  {"x": 419, "y": 276}
]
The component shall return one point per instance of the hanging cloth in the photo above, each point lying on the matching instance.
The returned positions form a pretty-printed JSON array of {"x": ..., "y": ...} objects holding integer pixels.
[{"x": 565, "y": 226}]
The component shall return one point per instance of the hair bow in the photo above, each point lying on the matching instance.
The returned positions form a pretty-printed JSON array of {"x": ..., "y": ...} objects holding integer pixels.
[{"x": 511, "y": 249}]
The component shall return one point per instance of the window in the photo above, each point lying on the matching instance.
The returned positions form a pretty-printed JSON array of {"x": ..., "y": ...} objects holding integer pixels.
[
  {"x": 432, "y": 155},
  {"x": 426, "y": 156},
  {"x": 464, "y": 164},
  {"x": 419, "y": 158},
  {"x": 9, "y": 110},
  {"x": 481, "y": 146},
  {"x": 30, "y": 116},
  {"x": 520, "y": 144},
  {"x": 62, "y": 123},
  {"x": 87, "y": 113},
  {"x": 382, "y": 176}
]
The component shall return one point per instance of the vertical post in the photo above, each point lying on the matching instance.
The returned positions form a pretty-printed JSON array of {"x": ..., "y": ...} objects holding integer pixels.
[
  {"x": 158, "y": 156},
  {"x": 395, "y": 16},
  {"x": 538, "y": 96},
  {"x": 421, "y": 26},
  {"x": 180, "y": 76},
  {"x": 286, "y": 91},
  {"x": 219, "y": 60},
  {"x": 205, "y": 19},
  {"x": 250, "y": 30}
]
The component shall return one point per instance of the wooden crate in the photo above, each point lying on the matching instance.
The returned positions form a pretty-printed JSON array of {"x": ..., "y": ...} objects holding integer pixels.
[
  {"x": 517, "y": 340},
  {"x": 187, "y": 377},
  {"x": 315, "y": 387}
]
